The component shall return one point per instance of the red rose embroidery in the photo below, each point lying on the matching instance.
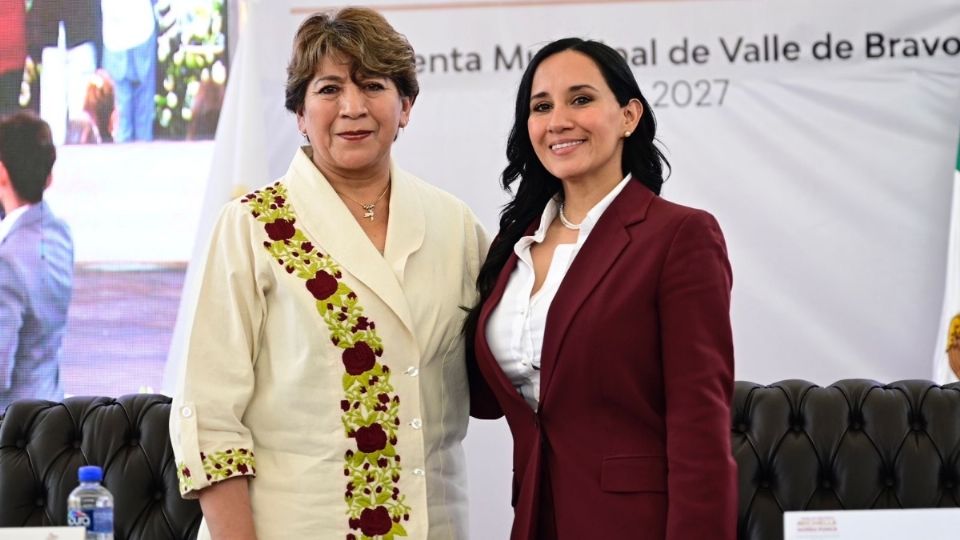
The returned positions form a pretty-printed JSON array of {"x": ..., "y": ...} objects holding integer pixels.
[
  {"x": 322, "y": 285},
  {"x": 371, "y": 438},
  {"x": 375, "y": 521},
  {"x": 280, "y": 229},
  {"x": 368, "y": 481},
  {"x": 358, "y": 359}
]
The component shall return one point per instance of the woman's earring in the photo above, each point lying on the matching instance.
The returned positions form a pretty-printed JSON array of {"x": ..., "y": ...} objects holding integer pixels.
[
  {"x": 305, "y": 137},
  {"x": 626, "y": 134}
]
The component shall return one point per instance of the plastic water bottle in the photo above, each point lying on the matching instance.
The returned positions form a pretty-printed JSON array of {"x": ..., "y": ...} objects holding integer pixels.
[{"x": 90, "y": 505}]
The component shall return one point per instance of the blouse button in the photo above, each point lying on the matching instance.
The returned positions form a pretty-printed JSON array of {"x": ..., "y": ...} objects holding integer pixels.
[
  {"x": 412, "y": 371},
  {"x": 416, "y": 423},
  {"x": 419, "y": 472},
  {"x": 187, "y": 412}
]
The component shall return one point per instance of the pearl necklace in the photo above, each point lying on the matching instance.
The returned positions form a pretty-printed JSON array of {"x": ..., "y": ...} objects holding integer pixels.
[{"x": 566, "y": 222}]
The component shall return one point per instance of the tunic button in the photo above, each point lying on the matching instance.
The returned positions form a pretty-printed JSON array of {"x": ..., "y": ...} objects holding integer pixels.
[
  {"x": 412, "y": 371},
  {"x": 187, "y": 412},
  {"x": 419, "y": 472},
  {"x": 416, "y": 423}
]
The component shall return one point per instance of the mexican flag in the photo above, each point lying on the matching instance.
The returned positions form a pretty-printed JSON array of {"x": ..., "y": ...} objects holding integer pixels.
[{"x": 947, "y": 359}]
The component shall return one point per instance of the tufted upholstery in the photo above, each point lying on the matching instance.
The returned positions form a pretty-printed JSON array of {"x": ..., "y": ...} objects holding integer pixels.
[
  {"x": 43, "y": 443},
  {"x": 856, "y": 444}
]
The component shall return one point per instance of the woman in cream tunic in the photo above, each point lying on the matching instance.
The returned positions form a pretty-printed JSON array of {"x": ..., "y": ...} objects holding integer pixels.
[{"x": 324, "y": 393}]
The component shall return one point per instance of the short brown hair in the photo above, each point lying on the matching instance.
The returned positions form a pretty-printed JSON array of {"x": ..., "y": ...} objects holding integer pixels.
[
  {"x": 27, "y": 151},
  {"x": 99, "y": 103},
  {"x": 363, "y": 38}
]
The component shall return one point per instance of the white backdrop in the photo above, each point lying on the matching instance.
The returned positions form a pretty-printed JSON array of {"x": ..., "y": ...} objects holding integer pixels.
[{"x": 825, "y": 149}]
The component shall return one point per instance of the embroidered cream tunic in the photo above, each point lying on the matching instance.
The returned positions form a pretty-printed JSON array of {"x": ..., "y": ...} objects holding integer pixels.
[{"x": 330, "y": 374}]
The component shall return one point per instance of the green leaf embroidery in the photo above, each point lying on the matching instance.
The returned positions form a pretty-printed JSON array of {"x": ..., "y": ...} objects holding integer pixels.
[{"x": 376, "y": 472}]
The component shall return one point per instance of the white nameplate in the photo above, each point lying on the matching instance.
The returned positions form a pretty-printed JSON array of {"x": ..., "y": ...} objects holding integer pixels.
[
  {"x": 925, "y": 523},
  {"x": 42, "y": 533}
]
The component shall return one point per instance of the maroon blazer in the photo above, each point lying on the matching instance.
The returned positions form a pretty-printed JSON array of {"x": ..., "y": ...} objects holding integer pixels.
[{"x": 632, "y": 438}]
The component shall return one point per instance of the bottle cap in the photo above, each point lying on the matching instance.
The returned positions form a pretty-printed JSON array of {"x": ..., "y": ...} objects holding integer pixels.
[{"x": 90, "y": 473}]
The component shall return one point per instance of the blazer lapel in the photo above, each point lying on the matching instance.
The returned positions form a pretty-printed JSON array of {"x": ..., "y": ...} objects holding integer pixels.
[
  {"x": 488, "y": 364},
  {"x": 606, "y": 242},
  {"x": 326, "y": 220}
]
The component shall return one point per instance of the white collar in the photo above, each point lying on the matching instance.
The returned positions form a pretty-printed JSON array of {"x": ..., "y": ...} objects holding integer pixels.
[
  {"x": 588, "y": 223},
  {"x": 6, "y": 224}
]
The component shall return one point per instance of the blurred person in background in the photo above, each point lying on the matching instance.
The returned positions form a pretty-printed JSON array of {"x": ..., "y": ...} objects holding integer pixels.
[
  {"x": 13, "y": 54},
  {"x": 130, "y": 57},
  {"x": 324, "y": 391},
  {"x": 99, "y": 118},
  {"x": 67, "y": 58},
  {"x": 36, "y": 265}
]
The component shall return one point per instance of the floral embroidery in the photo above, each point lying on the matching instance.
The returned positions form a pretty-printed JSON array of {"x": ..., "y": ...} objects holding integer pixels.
[
  {"x": 219, "y": 466},
  {"x": 186, "y": 481},
  {"x": 375, "y": 507}
]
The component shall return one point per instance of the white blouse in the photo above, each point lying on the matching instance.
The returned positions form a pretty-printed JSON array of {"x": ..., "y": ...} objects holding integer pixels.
[{"x": 516, "y": 327}]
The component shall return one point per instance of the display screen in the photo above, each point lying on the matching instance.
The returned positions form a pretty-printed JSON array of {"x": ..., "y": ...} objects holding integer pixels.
[
  {"x": 132, "y": 91},
  {"x": 118, "y": 70}
]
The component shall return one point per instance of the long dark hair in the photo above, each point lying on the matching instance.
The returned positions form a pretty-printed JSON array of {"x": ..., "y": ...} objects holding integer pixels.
[{"x": 641, "y": 157}]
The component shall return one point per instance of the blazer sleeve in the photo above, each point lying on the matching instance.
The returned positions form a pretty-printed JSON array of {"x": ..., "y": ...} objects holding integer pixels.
[
  {"x": 697, "y": 348},
  {"x": 483, "y": 403},
  {"x": 12, "y": 308},
  {"x": 209, "y": 439}
]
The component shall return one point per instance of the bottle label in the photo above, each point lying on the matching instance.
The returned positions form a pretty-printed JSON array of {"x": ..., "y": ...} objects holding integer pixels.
[{"x": 95, "y": 520}]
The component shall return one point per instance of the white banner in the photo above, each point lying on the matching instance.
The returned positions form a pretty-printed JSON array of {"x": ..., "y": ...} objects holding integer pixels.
[{"x": 821, "y": 133}]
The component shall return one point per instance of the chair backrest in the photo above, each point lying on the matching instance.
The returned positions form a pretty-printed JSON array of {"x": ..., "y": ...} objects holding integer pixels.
[
  {"x": 856, "y": 444},
  {"x": 42, "y": 444}
]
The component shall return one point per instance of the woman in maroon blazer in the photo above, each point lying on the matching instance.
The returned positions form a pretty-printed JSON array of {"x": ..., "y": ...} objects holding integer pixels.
[{"x": 603, "y": 330}]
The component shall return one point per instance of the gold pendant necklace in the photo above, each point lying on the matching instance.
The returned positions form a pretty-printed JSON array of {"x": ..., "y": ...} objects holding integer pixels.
[{"x": 369, "y": 209}]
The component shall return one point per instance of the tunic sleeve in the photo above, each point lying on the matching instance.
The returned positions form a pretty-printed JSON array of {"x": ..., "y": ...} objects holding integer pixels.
[
  {"x": 483, "y": 404},
  {"x": 478, "y": 243},
  {"x": 210, "y": 441}
]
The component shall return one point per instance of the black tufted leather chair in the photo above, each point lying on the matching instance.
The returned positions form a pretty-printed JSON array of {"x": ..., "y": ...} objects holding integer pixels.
[
  {"x": 854, "y": 445},
  {"x": 43, "y": 443}
]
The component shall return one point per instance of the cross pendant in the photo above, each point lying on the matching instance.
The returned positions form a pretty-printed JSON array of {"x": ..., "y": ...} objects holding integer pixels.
[{"x": 368, "y": 211}]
